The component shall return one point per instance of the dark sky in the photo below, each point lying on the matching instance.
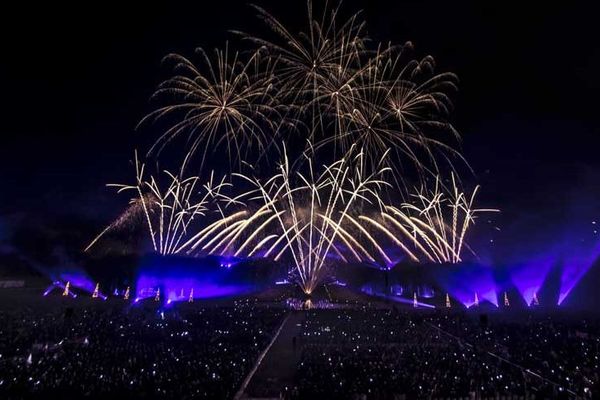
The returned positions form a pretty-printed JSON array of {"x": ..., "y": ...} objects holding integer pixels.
[{"x": 75, "y": 81}]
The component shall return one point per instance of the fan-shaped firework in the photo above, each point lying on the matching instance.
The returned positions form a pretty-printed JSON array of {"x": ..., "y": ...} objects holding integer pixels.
[
  {"x": 317, "y": 218},
  {"x": 433, "y": 228},
  {"x": 169, "y": 211},
  {"x": 304, "y": 214}
]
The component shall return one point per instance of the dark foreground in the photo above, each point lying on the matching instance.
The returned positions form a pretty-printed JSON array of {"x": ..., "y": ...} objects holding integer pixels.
[{"x": 363, "y": 350}]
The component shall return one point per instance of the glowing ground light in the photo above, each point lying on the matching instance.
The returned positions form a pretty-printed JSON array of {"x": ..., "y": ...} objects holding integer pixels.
[
  {"x": 573, "y": 270},
  {"x": 534, "y": 300}
]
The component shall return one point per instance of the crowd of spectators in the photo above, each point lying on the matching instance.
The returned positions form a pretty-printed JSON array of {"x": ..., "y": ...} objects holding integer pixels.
[
  {"x": 192, "y": 352},
  {"x": 562, "y": 351},
  {"x": 343, "y": 350},
  {"x": 387, "y": 354},
  {"x": 323, "y": 304}
]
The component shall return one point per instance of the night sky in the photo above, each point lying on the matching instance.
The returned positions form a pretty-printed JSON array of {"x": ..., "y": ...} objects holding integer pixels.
[{"x": 75, "y": 82}]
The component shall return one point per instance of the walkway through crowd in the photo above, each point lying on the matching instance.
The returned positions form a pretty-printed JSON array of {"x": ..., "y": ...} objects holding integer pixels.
[{"x": 276, "y": 370}]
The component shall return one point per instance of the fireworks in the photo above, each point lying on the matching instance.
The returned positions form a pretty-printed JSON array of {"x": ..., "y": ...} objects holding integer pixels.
[
  {"x": 401, "y": 105},
  {"x": 228, "y": 101},
  {"x": 327, "y": 86},
  {"x": 349, "y": 93},
  {"x": 310, "y": 218},
  {"x": 301, "y": 216},
  {"x": 169, "y": 212},
  {"x": 365, "y": 111},
  {"x": 433, "y": 228}
]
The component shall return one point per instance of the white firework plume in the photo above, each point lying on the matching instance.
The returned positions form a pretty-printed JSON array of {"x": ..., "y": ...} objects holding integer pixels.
[
  {"x": 433, "y": 228},
  {"x": 169, "y": 210},
  {"x": 300, "y": 217}
]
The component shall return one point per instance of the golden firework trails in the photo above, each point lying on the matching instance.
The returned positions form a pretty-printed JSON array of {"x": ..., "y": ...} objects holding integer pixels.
[
  {"x": 435, "y": 226},
  {"x": 169, "y": 211},
  {"x": 318, "y": 62},
  {"x": 304, "y": 214},
  {"x": 311, "y": 217},
  {"x": 324, "y": 84},
  {"x": 348, "y": 94},
  {"x": 227, "y": 101},
  {"x": 333, "y": 89}
]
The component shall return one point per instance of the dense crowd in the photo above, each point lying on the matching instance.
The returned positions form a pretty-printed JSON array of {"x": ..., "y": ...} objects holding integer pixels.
[
  {"x": 298, "y": 304},
  {"x": 343, "y": 350},
  {"x": 386, "y": 354},
  {"x": 565, "y": 353},
  {"x": 137, "y": 353}
]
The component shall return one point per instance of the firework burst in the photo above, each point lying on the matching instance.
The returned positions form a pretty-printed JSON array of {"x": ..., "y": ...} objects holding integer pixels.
[
  {"x": 225, "y": 101},
  {"x": 325, "y": 85},
  {"x": 398, "y": 105},
  {"x": 367, "y": 111},
  {"x": 346, "y": 93},
  {"x": 320, "y": 59}
]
